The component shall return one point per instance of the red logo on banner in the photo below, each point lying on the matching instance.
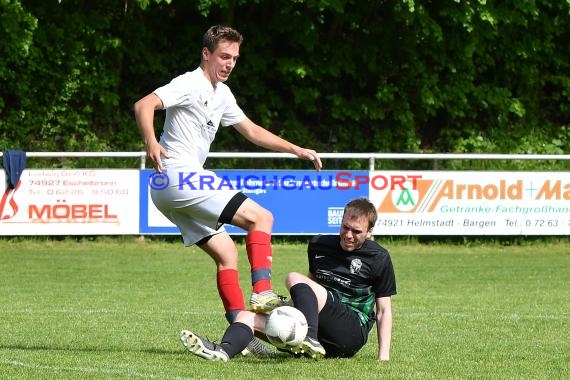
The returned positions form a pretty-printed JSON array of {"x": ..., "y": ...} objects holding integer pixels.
[
  {"x": 70, "y": 212},
  {"x": 8, "y": 199}
]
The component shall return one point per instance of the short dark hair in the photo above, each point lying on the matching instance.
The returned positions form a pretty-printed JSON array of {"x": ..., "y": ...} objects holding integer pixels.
[
  {"x": 362, "y": 207},
  {"x": 218, "y": 33}
]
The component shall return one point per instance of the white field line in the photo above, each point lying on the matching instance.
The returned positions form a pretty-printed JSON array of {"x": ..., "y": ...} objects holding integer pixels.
[
  {"x": 92, "y": 370},
  {"x": 502, "y": 316},
  {"x": 506, "y": 315},
  {"x": 403, "y": 314},
  {"x": 106, "y": 311}
]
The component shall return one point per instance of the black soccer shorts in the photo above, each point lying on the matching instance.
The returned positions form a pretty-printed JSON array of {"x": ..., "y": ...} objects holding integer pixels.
[{"x": 340, "y": 331}]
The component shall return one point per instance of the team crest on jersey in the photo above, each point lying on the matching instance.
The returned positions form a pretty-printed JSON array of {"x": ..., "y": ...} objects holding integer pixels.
[{"x": 355, "y": 266}]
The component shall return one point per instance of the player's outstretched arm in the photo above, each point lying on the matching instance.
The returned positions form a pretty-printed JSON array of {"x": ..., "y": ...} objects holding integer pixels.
[{"x": 264, "y": 138}]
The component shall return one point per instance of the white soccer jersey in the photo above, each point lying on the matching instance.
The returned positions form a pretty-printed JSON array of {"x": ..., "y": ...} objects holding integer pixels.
[{"x": 194, "y": 112}]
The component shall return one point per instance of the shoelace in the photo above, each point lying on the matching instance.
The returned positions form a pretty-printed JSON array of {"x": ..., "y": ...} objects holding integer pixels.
[{"x": 212, "y": 342}]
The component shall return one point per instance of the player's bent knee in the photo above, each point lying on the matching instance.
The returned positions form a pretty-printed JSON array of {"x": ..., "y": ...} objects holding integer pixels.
[
  {"x": 293, "y": 278},
  {"x": 266, "y": 218},
  {"x": 251, "y": 216},
  {"x": 246, "y": 317}
]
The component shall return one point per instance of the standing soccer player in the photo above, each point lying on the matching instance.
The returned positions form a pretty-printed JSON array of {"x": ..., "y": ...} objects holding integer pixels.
[{"x": 196, "y": 103}]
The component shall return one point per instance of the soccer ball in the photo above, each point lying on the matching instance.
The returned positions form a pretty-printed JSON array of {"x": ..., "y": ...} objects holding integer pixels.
[{"x": 286, "y": 326}]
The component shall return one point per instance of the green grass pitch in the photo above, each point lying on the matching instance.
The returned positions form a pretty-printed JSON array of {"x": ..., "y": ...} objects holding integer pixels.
[{"x": 113, "y": 309}]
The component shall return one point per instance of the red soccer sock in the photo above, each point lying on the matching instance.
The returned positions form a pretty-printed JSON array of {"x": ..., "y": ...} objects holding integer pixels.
[
  {"x": 230, "y": 290},
  {"x": 259, "y": 253}
]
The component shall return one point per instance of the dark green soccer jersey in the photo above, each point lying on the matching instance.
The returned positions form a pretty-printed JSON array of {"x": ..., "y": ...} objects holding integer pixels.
[{"x": 357, "y": 278}]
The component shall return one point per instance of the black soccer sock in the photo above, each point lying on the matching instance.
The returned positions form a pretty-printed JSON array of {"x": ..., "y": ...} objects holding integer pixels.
[
  {"x": 305, "y": 300},
  {"x": 236, "y": 338}
]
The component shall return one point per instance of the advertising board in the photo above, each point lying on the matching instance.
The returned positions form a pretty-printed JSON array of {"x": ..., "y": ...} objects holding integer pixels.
[{"x": 71, "y": 202}]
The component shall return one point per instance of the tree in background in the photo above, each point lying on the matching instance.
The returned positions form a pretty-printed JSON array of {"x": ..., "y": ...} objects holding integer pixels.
[{"x": 349, "y": 75}]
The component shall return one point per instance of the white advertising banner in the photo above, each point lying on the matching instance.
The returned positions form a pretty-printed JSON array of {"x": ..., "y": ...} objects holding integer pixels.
[
  {"x": 71, "y": 202},
  {"x": 109, "y": 202},
  {"x": 471, "y": 203}
]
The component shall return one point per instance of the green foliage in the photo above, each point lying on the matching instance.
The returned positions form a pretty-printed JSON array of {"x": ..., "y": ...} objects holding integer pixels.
[
  {"x": 144, "y": 4},
  {"x": 66, "y": 84},
  {"x": 336, "y": 75},
  {"x": 17, "y": 27}
]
